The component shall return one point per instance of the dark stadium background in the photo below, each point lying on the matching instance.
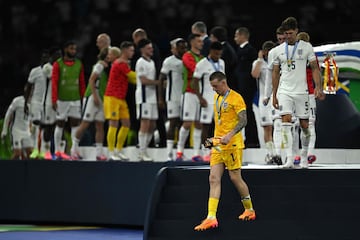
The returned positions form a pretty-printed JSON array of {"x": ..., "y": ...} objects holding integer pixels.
[{"x": 27, "y": 27}]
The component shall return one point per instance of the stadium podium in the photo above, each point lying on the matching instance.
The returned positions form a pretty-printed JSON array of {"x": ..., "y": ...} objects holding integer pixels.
[{"x": 290, "y": 204}]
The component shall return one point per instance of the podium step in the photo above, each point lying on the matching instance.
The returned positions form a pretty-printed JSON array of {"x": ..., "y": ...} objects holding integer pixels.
[{"x": 289, "y": 205}]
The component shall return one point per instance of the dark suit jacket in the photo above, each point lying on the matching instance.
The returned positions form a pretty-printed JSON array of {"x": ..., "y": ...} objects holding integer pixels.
[
  {"x": 230, "y": 58},
  {"x": 206, "y": 47},
  {"x": 246, "y": 84}
]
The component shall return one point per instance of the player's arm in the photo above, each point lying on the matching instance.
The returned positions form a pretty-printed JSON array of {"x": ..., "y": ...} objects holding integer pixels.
[
  {"x": 146, "y": 81},
  {"x": 275, "y": 84},
  {"x": 54, "y": 84},
  {"x": 92, "y": 82},
  {"x": 195, "y": 86},
  {"x": 256, "y": 68},
  {"x": 162, "y": 79},
  {"x": 317, "y": 79},
  {"x": 8, "y": 118},
  {"x": 242, "y": 121},
  {"x": 189, "y": 62},
  {"x": 131, "y": 76},
  {"x": 268, "y": 87},
  {"x": 82, "y": 83}
]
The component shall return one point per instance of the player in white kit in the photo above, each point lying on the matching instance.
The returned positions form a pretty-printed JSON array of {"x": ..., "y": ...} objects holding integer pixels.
[
  {"x": 37, "y": 81},
  {"x": 49, "y": 114},
  {"x": 17, "y": 121},
  {"x": 146, "y": 97},
  {"x": 290, "y": 90},
  {"x": 261, "y": 72},
  {"x": 171, "y": 71}
]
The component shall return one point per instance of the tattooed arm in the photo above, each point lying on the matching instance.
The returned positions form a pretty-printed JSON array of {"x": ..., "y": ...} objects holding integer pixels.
[{"x": 242, "y": 121}]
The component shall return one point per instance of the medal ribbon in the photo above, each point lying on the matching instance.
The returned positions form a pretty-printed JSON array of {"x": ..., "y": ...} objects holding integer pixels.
[
  {"x": 216, "y": 65},
  {"x": 218, "y": 107},
  {"x": 289, "y": 60}
]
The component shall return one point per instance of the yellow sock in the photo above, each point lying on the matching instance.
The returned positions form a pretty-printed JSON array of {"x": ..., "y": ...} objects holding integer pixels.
[
  {"x": 121, "y": 137},
  {"x": 111, "y": 135},
  {"x": 246, "y": 201},
  {"x": 212, "y": 207}
]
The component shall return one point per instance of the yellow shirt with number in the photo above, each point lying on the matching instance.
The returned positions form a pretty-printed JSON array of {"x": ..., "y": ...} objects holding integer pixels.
[{"x": 229, "y": 110}]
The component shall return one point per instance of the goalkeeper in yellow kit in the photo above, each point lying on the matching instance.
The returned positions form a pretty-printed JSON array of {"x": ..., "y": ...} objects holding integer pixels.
[{"x": 230, "y": 119}]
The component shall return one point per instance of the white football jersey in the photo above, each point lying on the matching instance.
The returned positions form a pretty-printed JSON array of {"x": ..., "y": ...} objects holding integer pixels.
[
  {"x": 264, "y": 79},
  {"x": 145, "y": 93},
  {"x": 98, "y": 68},
  {"x": 15, "y": 113},
  {"x": 293, "y": 72},
  {"x": 173, "y": 69},
  {"x": 204, "y": 68},
  {"x": 38, "y": 79}
]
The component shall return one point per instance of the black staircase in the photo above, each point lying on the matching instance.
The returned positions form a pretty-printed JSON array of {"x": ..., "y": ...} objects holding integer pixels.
[{"x": 290, "y": 204}]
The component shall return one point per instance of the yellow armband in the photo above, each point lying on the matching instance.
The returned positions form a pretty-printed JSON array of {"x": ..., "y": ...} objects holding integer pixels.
[{"x": 131, "y": 77}]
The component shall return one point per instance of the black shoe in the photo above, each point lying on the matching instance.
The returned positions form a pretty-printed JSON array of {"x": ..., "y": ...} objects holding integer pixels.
[{"x": 277, "y": 160}]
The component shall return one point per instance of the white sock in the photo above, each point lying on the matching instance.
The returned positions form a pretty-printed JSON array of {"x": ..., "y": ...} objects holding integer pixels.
[
  {"x": 197, "y": 141},
  {"x": 36, "y": 136},
  {"x": 277, "y": 137},
  {"x": 287, "y": 139},
  {"x": 305, "y": 138},
  {"x": 99, "y": 149},
  {"x": 295, "y": 146},
  {"x": 183, "y": 135},
  {"x": 75, "y": 145},
  {"x": 73, "y": 131},
  {"x": 312, "y": 137},
  {"x": 142, "y": 141},
  {"x": 270, "y": 148},
  {"x": 57, "y": 137},
  {"x": 169, "y": 146}
]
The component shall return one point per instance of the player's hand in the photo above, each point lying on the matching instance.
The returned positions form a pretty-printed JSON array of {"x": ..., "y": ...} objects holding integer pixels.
[
  {"x": 275, "y": 102},
  {"x": 97, "y": 101},
  {"x": 319, "y": 94},
  {"x": 203, "y": 102},
  {"x": 225, "y": 139}
]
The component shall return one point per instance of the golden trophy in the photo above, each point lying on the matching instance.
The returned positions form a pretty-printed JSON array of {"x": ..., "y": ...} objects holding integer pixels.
[{"x": 330, "y": 72}]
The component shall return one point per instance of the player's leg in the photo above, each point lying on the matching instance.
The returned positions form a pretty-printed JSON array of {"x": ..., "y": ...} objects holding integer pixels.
[
  {"x": 286, "y": 106},
  {"x": 216, "y": 171}
]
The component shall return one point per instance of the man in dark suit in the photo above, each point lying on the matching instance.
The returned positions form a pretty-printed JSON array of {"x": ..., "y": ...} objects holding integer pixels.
[{"x": 245, "y": 83}]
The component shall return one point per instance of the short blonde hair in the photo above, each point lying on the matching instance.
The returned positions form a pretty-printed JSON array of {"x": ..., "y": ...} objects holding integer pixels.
[
  {"x": 303, "y": 36},
  {"x": 115, "y": 50}
]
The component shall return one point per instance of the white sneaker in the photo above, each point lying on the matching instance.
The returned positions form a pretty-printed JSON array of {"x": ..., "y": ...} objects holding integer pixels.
[
  {"x": 144, "y": 157},
  {"x": 289, "y": 163},
  {"x": 114, "y": 157},
  {"x": 268, "y": 159},
  {"x": 304, "y": 161},
  {"x": 122, "y": 156}
]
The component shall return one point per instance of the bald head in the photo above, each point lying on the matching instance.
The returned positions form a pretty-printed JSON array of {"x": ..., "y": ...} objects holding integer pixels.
[
  {"x": 103, "y": 41},
  {"x": 139, "y": 34}
]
